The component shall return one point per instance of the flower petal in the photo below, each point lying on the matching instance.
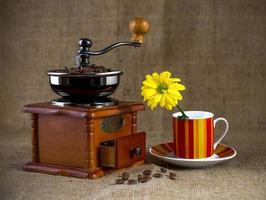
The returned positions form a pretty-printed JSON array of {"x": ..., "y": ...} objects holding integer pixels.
[
  {"x": 164, "y": 77},
  {"x": 156, "y": 76},
  {"x": 177, "y": 86},
  {"x": 181, "y": 87},
  {"x": 175, "y": 80},
  {"x": 150, "y": 84},
  {"x": 170, "y": 100},
  {"x": 149, "y": 104},
  {"x": 156, "y": 99},
  {"x": 174, "y": 94},
  {"x": 168, "y": 107},
  {"x": 148, "y": 92},
  {"x": 151, "y": 79},
  {"x": 162, "y": 101}
]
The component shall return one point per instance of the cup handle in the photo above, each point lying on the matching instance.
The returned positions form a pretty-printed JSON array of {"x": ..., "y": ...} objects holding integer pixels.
[{"x": 226, "y": 129}]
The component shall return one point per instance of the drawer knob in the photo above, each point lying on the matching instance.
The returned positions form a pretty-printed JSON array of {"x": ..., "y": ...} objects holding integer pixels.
[{"x": 135, "y": 152}]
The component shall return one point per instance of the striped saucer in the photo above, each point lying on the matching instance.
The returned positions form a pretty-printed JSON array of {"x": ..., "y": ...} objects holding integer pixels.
[{"x": 165, "y": 153}]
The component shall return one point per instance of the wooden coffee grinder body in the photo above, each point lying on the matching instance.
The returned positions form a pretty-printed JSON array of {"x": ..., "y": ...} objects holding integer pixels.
[{"x": 72, "y": 141}]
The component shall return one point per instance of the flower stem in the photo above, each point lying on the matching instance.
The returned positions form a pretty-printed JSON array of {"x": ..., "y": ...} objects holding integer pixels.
[{"x": 184, "y": 116}]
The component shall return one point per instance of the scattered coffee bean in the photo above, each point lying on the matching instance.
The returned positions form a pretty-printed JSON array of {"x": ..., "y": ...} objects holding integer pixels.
[
  {"x": 125, "y": 176},
  {"x": 147, "y": 178},
  {"x": 119, "y": 181},
  {"x": 158, "y": 175},
  {"x": 139, "y": 178},
  {"x": 143, "y": 181},
  {"x": 147, "y": 172},
  {"x": 144, "y": 178},
  {"x": 163, "y": 170},
  {"x": 131, "y": 181},
  {"x": 172, "y": 174}
]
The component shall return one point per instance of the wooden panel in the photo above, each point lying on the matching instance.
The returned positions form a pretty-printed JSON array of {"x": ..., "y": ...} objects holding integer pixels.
[
  {"x": 61, "y": 140},
  {"x": 125, "y": 130},
  {"x": 34, "y": 138}
]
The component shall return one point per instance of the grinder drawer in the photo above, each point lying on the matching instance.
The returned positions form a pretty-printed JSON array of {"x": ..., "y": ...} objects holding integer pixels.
[{"x": 124, "y": 151}]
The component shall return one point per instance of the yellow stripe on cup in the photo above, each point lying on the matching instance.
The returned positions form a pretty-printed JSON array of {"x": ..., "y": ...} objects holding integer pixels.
[
  {"x": 201, "y": 140},
  {"x": 196, "y": 136}
]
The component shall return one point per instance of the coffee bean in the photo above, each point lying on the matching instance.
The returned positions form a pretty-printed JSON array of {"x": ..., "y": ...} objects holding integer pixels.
[
  {"x": 172, "y": 174},
  {"x": 147, "y": 172},
  {"x": 139, "y": 178},
  {"x": 147, "y": 178},
  {"x": 158, "y": 175},
  {"x": 143, "y": 181},
  {"x": 163, "y": 170},
  {"x": 131, "y": 181},
  {"x": 125, "y": 176},
  {"x": 119, "y": 181}
]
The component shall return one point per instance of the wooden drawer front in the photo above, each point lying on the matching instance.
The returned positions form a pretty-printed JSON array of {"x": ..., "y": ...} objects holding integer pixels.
[{"x": 126, "y": 148}]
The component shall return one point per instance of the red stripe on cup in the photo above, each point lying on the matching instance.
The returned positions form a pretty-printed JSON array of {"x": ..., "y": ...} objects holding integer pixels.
[
  {"x": 181, "y": 138},
  {"x": 212, "y": 135},
  {"x": 209, "y": 137},
  {"x": 191, "y": 139}
]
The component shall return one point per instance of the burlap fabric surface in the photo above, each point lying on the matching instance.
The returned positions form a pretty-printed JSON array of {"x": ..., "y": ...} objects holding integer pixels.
[{"x": 243, "y": 177}]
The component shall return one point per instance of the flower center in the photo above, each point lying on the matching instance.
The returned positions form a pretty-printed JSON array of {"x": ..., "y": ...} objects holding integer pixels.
[{"x": 162, "y": 88}]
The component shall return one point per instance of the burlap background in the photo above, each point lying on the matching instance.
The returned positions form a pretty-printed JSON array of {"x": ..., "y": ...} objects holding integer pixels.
[{"x": 218, "y": 48}]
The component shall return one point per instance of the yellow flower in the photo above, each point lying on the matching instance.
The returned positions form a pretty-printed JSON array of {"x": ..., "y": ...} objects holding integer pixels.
[{"x": 162, "y": 89}]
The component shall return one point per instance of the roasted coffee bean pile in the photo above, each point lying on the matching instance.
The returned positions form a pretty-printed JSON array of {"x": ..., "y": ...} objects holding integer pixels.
[
  {"x": 92, "y": 68},
  {"x": 144, "y": 177}
]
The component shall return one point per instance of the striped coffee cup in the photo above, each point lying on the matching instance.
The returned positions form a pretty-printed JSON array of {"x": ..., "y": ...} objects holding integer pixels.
[{"x": 194, "y": 137}]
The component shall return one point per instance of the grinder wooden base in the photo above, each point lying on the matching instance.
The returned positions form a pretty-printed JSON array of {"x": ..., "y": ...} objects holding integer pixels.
[
  {"x": 66, "y": 140},
  {"x": 62, "y": 170}
]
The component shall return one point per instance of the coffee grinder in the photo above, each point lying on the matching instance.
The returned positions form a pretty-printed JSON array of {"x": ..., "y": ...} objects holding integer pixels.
[{"x": 85, "y": 133}]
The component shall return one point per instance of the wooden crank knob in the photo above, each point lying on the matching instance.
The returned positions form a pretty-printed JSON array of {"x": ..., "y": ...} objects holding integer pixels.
[{"x": 139, "y": 27}]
